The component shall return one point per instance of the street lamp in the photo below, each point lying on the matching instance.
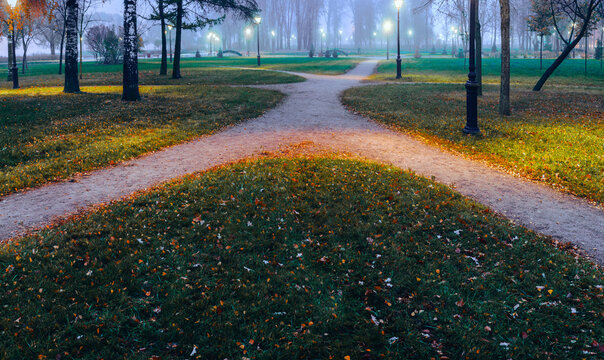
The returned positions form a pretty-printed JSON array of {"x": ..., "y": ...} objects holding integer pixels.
[
  {"x": 273, "y": 34},
  {"x": 387, "y": 30},
  {"x": 454, "y": 30},
  {"x": 258, "y": 21},
  {"x": 321, "y": 41},
  {"x": 248, "y": 36},
  {"x": 472, "y": 85},
  {"x": 170, "y": 34},
  {"x": 398, "y": 4},
  {"x": 340, "y": 38},
  {"x": 14, "y": 70}
]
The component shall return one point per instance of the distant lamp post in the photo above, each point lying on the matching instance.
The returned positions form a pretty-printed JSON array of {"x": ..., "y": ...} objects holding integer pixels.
[
  {"x": 340, "y": 38},
  {"x": 454, "y": 30},
  {"x": 14, "y": 70},
  {"x": 273, "y": 34},
  {"x": 258, "y": 21},
  {"x": 321, "y": 36},
  {"x": 387, "y": 31},
  {"x": 398, "y": 4},
  {"x": 472, "y": 85},
  {"x": 248, "y": 36},
  {"x": 170, "y": 35}
]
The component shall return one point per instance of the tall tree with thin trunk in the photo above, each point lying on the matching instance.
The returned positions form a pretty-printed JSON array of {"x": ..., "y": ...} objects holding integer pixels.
[
  {"x": 72, "y": 83},
  {"x": 163, "y": 68},
  {"x": 504, "y": 92},
  {"x": 478, "y": 51},
  {"x": 581, "y": 14},
  {"x": 202, "y": 13},
  {"x": 540, "y": 22},
  {"x": 178, "y": 44},
  {"x": 130, "y": 85}
]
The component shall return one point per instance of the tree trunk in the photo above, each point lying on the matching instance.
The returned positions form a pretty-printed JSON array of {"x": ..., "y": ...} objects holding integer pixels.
[
  {"x": 177, "y": 44},
  {"x": 61, "y": 50},
  {"x": 478, "y": 54},
  {"x": 541, "y": 54},
  {"x": 504, "y": 92},
  {"x": 72, "y": 83},
  {"x": 130, "y": 90},
  {"x": 569, "y": 48},
  {"x": 163, "y": 69}
]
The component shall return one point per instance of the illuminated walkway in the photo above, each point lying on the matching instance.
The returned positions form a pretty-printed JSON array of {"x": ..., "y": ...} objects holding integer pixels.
[{"x": 313, "y": 115}]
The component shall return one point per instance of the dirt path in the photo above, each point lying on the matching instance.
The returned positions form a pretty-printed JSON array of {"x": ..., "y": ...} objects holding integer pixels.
[{"x": 312, "y": 112}]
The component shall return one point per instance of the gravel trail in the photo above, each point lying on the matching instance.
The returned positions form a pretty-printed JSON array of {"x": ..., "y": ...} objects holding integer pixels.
[{"x": 312, "y": 113}]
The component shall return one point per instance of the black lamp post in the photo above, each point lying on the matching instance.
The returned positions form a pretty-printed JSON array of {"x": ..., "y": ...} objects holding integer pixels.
[
  {"x": 472, "y": 85},
  {"x": 398, "y": 4},
  {"x": 14, "y": 70},
  {"x": 258, "y": 20}
]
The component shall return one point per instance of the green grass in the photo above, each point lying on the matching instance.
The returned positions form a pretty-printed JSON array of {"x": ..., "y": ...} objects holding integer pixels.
[
  {"x": 553, "y": 137},
  {"x": 524, "y": 71},
  {"x": 299, "y": 258},
  {"x": 199, "y": 76},
  {"x": 296, "y": 64},
  {"x": 48, "y": 135}
]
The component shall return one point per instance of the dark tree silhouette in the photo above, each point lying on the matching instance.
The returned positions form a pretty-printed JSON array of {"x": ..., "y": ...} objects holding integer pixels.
[
  {"x": 130, "y": 91},
  {"x": 72, "y": 83},
  {"x": 580, "y": 13}
]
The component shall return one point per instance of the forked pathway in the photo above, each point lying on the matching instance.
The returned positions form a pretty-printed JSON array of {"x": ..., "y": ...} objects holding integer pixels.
[{"x": 312, "y": 112}]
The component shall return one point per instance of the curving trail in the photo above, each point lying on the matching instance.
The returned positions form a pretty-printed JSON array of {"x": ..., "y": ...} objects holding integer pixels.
[{"x": 312, "y": 112}]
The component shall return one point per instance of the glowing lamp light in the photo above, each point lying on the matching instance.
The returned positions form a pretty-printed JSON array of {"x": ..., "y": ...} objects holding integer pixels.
[
  {"x": 387, "y": 27},
  {"x": 410, "y": 32},
  {"x": 398, "y": 4},
  {"x": 258, "y": 20},
  {"x": 273, "y": 33},
  {"x": 248, "y": 31},
  {"x": 343, "y": 32}
]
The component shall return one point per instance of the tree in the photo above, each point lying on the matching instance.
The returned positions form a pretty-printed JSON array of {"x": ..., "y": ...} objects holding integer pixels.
[
  {"x": 72, "y": 83},
  {"x": 130, "y": 77},
  {"x": 204, "y": 13},
  {"x": 540, "y": 23},
  {"x": 159, "y": 14},
  {"x": 105, "y": 43},
  {"x": 504, "y": 92},
  {"x": 49, "y": 34},
  {"x": 21, "y": 21},
  {"x": 580, "y": 14},
  {"x": 84, "y": 20}
]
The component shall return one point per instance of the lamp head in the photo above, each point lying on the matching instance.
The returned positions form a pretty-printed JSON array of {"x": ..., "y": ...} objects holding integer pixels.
[
  {"x": 258, "y": 20},
  {"x": 398, "y": 4},
  {"x": 387, "y": 26},
  {"x": 170, "y": 27},
  {"x": 342, "y": 31}
]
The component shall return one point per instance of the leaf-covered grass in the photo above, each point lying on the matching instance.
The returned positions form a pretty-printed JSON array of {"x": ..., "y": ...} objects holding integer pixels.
[
  {"x": 524, "y": 71},
  {"x": 297, "y": 258},
  {"x": 191, "y": 68},
  {"x": 553, "y": 137},
  {"x": 47, "y": 135}
]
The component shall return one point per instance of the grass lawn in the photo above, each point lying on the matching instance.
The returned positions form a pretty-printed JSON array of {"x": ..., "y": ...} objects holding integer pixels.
[
  {"x": 297, "y": 258},
  {"x": 524, "y": 71},
  {"x": 149, "y": 68},
  {"x": 553, "y": 137},
  {"x": 199, "y": 76},
  {"x": 47, "y": 135}
]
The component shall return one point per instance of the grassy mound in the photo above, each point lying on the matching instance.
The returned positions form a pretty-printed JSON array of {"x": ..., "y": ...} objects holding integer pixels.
[
  {"x": 553, "y": 137},
  {"x": 322, "y": 258}
]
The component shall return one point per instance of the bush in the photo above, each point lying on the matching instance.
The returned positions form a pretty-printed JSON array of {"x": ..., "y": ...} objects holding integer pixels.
[{"x": 105, "y": 43}]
